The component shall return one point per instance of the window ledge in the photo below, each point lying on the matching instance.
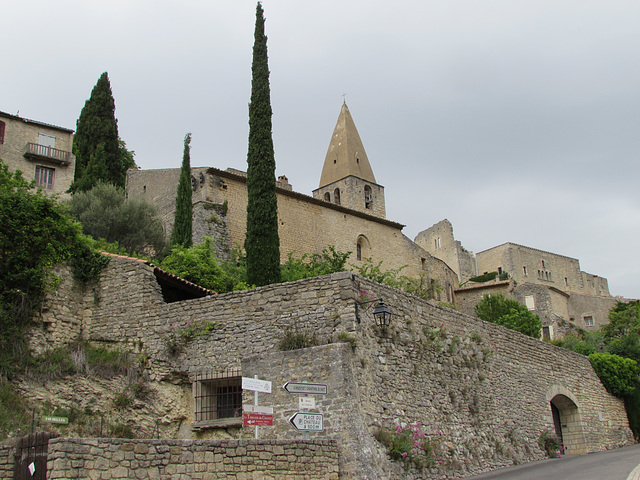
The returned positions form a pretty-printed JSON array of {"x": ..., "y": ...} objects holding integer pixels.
[{"x": 221, "y": 423}]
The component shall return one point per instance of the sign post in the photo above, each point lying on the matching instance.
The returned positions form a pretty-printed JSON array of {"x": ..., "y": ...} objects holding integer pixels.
[
  {"x": 257, "y": 418},
  {"x": 304, "y": 420}
]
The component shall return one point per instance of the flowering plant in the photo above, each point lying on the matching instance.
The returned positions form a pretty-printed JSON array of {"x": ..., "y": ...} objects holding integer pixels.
[
  {"x": 551, "y": 443},
  {"x": 409, "y": 444}
]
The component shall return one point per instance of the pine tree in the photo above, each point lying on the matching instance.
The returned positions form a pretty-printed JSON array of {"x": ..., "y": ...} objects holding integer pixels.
[
  {"x": 100, "y": 154},
  {"x": 262, "y": 244},
  {"x": 182, "y": 225}
]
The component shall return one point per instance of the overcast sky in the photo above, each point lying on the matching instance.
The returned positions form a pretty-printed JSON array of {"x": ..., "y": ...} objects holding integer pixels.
[{"x": 518, "y": 120}]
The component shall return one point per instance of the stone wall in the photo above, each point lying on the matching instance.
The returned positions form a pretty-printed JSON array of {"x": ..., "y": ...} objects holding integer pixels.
[
  {"x": 439, "y": 241},
  {"x": 71, "y": 458},
  {"x": 6, "y": 461},
  {"x": 481, "y": 392},
  {"x": 581, "y": 306}
]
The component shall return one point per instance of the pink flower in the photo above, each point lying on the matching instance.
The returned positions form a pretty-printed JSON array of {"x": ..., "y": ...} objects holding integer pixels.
[
  {"x": 404, "y": 454},
  {"x": 398, "y": 429}
]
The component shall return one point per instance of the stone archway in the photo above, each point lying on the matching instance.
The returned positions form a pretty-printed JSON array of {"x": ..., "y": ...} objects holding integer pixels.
[{"x": 565, "y": 416}]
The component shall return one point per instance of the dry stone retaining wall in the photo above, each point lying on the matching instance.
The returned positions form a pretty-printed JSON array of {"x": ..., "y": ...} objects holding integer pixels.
[
  {"x": 481, "y": 392},
  {"x": 6, "y": 461},
  {"x": 115, "y": 459}
]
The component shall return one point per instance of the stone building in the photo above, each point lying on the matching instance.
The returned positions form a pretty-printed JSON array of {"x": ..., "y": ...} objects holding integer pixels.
[
  {"x": 483, "y": 393},
  {"x": 347, "y": 211},
  {"x": 551, "y": 285},
  {"x": 40, "y": 150}
]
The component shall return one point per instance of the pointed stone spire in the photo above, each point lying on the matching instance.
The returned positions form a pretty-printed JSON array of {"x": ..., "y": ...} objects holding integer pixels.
[
  {"x": 346, "y": 155},
  {"x": 347, "y": 178}
]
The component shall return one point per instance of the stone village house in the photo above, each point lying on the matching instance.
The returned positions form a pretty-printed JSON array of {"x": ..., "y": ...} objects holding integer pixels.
[{"x": 41, "y": 151}]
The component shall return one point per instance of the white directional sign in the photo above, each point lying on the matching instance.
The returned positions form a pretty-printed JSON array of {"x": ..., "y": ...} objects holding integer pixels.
[
  {"x": 306, "y": 402},
  {"x": 306, "y": 388},
  {"x": 256, "y": 385},
  {"x": 307, "y": 421}
]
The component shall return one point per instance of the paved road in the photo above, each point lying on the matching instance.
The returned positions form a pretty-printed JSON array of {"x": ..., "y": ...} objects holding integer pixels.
[{"x": 616, "y": 464}]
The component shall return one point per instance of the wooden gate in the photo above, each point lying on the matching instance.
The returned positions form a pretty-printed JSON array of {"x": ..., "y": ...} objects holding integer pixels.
[{"x": 31, "y": 456}]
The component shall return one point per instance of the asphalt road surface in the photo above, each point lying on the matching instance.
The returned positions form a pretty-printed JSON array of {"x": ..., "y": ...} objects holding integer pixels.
[{"x": 616, "y": 464}]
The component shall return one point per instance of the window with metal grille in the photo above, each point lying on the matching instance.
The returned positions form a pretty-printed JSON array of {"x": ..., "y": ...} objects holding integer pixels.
[
  {"x": 218, "y": 397},
  {"x": 44, "y": 177}
]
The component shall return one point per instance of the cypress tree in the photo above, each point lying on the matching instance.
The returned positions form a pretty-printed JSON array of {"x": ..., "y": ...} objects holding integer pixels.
[
  {"x": 182, "y": 224},
  {"x": 100, "y": 155},
  {"x": 262, "y": 243}
]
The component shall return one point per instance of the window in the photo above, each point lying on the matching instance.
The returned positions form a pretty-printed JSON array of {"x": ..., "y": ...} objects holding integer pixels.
[
  {"x": 2, "y": 126},
  {"x": 588, "y": 321},
  {"x": 543, "y": 264},
  {"x": 46, "y": 140},
  {"x": 566, "y": 282},
  {"x": 44, "y": 177},
  {"x": 218, "y": 398},
  {"x": 368, "y": 197},
  {"x": 327, "y": 197},
  {"x": 336, "y": 196},
  {"x": 437, "y": 243},
  {"x": 362, "y": 248},
  {"x": 546, "y": 333},
  {"x": 423, "y": 263},
  {"x": 524, "y": 271},
  {"x": 530, "y": 302}
]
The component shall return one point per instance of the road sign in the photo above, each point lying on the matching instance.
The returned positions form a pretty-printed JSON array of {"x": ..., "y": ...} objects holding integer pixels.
[
  {"x": 306, "y": 388},
  {"x": 258, "y": 409},
  {"x": 257, "y": 419},
  {"x": 256, "y": 385},
  {"x": 306, "y": 402},
  {"x": 312, "y": 422},
  {"x": 52, "y": 419}
]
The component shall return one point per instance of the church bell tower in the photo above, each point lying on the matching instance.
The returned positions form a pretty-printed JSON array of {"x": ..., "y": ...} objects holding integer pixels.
[{"x": 347, "y": 178}]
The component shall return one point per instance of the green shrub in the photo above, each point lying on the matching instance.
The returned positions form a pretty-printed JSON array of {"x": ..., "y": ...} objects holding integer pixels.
[
  {"x": 199, "y": 265},
  {"x": 484, "y": 278},
  {"x": 14, "y": 413},
  {"x": 104, "y": 214},
  {"x": 329, "y": 261},
  {"x": 296, "y": 340},
  {"x": 618, "y": 375}
]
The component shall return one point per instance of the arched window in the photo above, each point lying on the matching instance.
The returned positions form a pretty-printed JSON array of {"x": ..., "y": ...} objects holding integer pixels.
[
  {"x": 327, "y": 197},
  {"x": 362, "y": 248},
  {"x": 336, "y": 196},
  {"x": 368, "y": 197}
]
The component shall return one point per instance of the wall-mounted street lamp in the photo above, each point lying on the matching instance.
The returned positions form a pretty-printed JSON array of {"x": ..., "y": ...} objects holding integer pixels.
[{"x": 381, "y": 312}]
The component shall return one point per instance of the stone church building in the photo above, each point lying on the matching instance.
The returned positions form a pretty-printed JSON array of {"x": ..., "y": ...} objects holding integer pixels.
[{"x": 347, "y": 211}]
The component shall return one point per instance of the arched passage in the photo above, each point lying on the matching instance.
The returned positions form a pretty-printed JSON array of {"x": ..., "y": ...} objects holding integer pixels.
[{"x": 565, "y": 415}]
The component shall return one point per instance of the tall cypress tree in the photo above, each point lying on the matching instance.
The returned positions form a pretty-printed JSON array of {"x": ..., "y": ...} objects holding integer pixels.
[
  {"x": 100, "y": 155},
  {"x": 262, "y": 243},
  {"x": 182, "y": 224}
]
